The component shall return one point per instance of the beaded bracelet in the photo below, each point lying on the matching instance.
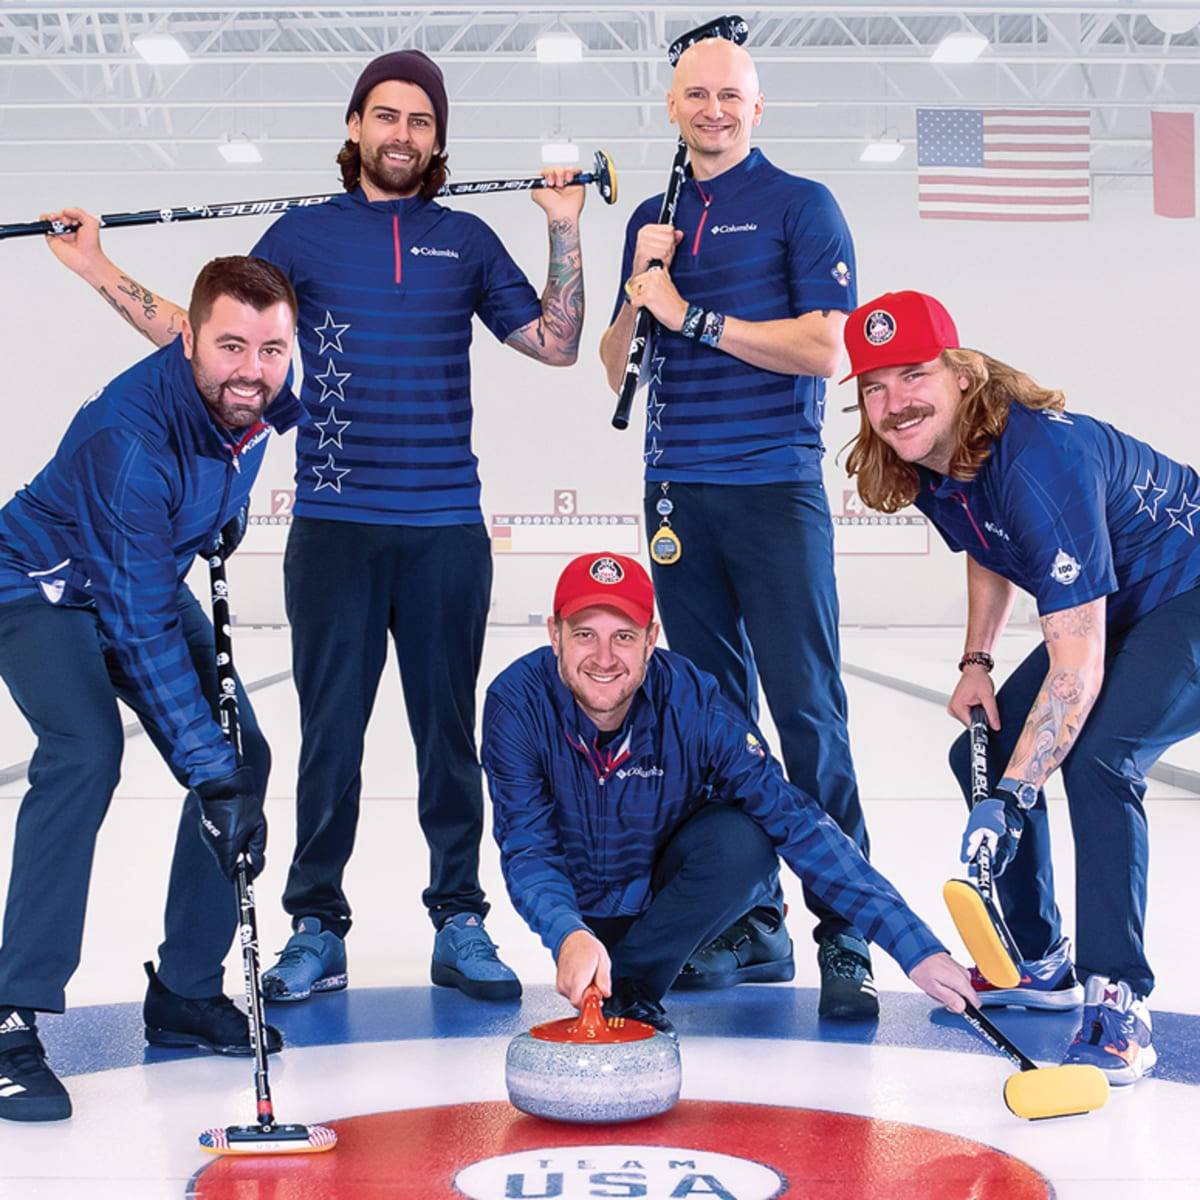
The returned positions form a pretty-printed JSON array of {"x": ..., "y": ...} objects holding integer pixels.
[{"x": 977, "y": 658}]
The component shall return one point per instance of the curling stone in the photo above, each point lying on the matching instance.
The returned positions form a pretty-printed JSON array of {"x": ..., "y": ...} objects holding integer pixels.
[{"x": 593, "y": 1069}]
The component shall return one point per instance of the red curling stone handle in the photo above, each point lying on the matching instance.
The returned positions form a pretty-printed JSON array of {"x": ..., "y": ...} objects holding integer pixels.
[{"x": 591, "y": 1025}]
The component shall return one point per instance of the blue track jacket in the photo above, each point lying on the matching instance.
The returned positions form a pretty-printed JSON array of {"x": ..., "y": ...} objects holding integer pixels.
[
  {"x": 141, "y": 483},
  {"x": 580, "y": 827}
]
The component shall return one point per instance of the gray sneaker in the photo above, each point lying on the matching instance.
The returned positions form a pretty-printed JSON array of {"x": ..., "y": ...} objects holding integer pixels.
[{"x": 314, "y": 960}]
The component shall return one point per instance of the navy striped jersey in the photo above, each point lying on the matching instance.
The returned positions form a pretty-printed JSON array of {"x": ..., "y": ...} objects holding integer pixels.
[
  {"x": 1070, "y": 509},
  {"x": 387, "y": 291},
  {"x": 580, "y": 826},
  {"x": 762, "y": 245},
  {"x": 141, "y": 483}
]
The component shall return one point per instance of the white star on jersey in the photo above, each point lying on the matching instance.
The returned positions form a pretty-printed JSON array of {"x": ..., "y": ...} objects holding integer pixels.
[
  {"x": 335, "y": 475},
  {"x": 331, "y": 430},
  {"x": 1183, "y": 515},
  {"x": 654, "y": 410},
  {"x": 331, "y": 380},
  {"x": 330, "y": 333},
  {"x": 1149, "y": 494},
  {"x": 653, "y": 454}
]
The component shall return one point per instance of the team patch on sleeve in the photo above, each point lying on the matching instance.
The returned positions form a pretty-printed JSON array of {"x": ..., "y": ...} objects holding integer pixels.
[
  {"x": 754, "y": 746},
  {"x": 841, "y": 273},
  {"x": 1065, "y": 569}
]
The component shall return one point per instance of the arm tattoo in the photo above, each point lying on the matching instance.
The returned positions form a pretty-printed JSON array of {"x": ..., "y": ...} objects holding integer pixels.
[
  {"x": 554, "y": 336},
  {"x": 1053, "y": 724},
  {"x": 118, "y": 306},
  {"x": 140, "y": 296},
  {"x": 1072, "y": 622}
]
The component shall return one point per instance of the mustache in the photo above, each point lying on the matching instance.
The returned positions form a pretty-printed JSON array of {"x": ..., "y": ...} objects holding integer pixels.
[{"x": 906, "y": 414}]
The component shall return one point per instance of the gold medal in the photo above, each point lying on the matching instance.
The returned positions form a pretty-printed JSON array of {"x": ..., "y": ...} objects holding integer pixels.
[{"x": 664, "y": 546}]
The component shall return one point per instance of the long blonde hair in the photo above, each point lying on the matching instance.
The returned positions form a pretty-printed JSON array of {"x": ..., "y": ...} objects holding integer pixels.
[{"x": 887, "y": 483}]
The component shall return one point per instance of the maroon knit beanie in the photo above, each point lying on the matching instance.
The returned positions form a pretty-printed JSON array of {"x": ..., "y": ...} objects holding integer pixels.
[{"x": 408, "y": 66}]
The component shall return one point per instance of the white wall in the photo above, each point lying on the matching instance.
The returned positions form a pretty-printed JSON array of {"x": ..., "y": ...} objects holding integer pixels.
[{"x": 1102, "y": 309}]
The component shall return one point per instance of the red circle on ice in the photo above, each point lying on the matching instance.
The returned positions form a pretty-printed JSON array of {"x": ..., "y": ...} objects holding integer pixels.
[{"x": 417, "y": 1154}]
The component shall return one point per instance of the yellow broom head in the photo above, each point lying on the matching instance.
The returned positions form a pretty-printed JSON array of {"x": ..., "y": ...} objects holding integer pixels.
[
  {"x": 974, "y": 924},
  {"x": 1056, "y": 1091}
]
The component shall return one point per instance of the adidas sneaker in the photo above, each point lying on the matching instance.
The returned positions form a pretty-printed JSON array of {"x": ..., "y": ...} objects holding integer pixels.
[{"x": 29, "y": 1090}]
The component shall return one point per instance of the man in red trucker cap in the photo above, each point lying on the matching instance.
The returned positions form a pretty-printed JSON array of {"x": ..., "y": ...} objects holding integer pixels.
[
  {"x": 636, "y": 808},
  {"x": 1101, "y": 529}
]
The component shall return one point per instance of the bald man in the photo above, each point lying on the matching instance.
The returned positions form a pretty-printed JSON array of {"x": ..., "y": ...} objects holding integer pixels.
[{"x": 758, "y": 277}]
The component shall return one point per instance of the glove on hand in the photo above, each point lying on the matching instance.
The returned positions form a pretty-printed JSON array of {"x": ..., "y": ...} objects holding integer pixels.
[
  {"x": 997, "y": 822},
  {"x": 232, "y": 532},
  {"x": 232, "y": 821}
]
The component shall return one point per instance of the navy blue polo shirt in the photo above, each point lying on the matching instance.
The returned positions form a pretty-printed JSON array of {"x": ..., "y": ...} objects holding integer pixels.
[
  {"x": 387, "y": 291},
  {"x": 761, "y": 245},
  {"x": 1070, "y": 509}
]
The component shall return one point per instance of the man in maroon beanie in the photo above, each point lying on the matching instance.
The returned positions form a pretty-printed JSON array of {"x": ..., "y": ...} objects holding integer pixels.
[{"x": 387, "y": 537}]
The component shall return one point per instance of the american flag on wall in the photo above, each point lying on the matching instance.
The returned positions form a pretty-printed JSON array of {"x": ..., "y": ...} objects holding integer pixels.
[{"x": 1003, "y": 164}]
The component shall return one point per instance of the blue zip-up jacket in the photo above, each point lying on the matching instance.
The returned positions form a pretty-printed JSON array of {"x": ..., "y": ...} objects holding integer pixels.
[
  {"x": 141, "y": 483},
  {"x": 387, "y": 292},
  {"x": 761, "y": 245},
  {"x": 1070, "y": 509},
  {"x": 580, "y": 828}
]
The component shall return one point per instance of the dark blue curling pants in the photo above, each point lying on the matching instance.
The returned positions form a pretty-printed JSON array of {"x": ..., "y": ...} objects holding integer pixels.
[
  {"x": 54, "y": 664},
  {"x": 707, "y": 876},
  {"x": 1149, "y": 701},
  {"x": 753, "y": 594},
  {"x": 348, "y": 587}
]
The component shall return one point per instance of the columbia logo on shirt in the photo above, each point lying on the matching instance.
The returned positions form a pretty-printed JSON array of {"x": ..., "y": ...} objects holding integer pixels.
[
  {"x": 432, "y": 252},
  {"x": 640, "y": 772},
  {"x": 749, "y": 227}
]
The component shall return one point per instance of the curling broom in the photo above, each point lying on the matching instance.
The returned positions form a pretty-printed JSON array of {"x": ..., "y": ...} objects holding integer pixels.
[
  {"x": 1036, "y": 1093},
  {"x": 972, "y": 905},
  {"x": 267, "y": 1136}
]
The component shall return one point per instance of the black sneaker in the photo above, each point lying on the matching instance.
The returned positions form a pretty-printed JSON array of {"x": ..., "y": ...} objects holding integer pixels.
[
  {"x": 214, "y": 1023},
  {"x": 29, "y": 1090},
  {"x": 629, "y": 1003},
  {"x": 847, "y": 989},
  {"x": 754, "y": 949}
]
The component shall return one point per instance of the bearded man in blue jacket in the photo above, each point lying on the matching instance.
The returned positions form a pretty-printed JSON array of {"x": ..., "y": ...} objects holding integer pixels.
[
  {"x": 154, "y": 469},
  {"x": 637, "y": 809}
]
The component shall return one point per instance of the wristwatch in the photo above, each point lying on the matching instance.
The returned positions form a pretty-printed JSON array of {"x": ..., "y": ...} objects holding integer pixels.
[{"x": 1024, "y": 793}]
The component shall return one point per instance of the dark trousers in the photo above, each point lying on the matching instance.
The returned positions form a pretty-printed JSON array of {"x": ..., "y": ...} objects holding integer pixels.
[
  {"x": 1149, "y": 701},
  {"x": 753, "y": 594},
  {"x": 53, "y": 662},
  {"x": 706, "y": 876},
  {"x": 348, "y": 587}
]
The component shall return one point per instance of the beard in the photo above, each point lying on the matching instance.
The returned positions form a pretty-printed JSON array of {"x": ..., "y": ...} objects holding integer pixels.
[
  {"x": 232, "y": 411},
  {"x": 393, "y": 178}
]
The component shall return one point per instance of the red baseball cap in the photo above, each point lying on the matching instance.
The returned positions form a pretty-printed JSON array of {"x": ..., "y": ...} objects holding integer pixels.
[
  {"x": 611, "y": 580},
  {"x": 895, "y": 329}
]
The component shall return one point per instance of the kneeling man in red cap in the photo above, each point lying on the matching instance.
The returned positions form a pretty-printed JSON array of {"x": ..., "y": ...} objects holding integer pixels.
[{"x": 637, "y": 810}]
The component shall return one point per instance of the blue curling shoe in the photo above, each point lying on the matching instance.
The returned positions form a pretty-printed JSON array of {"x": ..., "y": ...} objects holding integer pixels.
[
  {"x": 314, "y": 960},
  {"x": 1115, "y": 1034},
  {"x": 464, "y": 957}
]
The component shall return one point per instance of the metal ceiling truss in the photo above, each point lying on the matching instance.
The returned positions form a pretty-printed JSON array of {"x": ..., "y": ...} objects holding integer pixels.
[{"x": 75, "y": 97}]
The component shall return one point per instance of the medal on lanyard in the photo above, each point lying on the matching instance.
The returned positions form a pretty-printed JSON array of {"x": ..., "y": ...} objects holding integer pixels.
[{"x": 664, "y": 544}]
